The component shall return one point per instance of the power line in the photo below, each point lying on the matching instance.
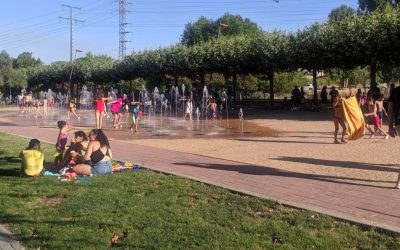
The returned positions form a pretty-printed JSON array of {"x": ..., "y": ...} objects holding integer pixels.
[{"x": 71, "y": 22}]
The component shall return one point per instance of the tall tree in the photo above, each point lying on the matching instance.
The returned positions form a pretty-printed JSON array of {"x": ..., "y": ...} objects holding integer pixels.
[
  {"x": 26, "y": 60},
  {"x": 371, "y": 5},
  {"x": 341, "y": 13},
  {"x": 228, "y": 25},
  {"x": 5, "y": 67}
]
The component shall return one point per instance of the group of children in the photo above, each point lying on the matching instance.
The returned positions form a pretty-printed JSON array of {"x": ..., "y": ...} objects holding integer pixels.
[
  {"x": 119, "y": 107},
  {"x": 27, "y": 103},
  {"x": 374, "y": 116}
]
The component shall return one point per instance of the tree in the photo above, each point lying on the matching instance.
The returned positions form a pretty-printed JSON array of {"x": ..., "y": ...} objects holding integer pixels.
[
  {"x": 26, "y": 60},
  {"x": 17, "y": 79},
  {"x": 206, "y": 29},
  {"x": 202, "y": 30},
  {"x": 285, "y": 81},
  {"x": 372, "y": 5},
  {"x": 341, "y": 13}
]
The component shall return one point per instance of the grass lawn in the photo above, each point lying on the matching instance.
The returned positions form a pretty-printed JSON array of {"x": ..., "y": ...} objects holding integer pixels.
[{"x": 144, "y": 209}]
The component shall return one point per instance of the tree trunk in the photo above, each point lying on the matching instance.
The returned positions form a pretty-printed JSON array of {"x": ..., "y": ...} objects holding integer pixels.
[
  {"x": 314, "y": 76},
  {"x": 202, "y": 80},
  {"x": 176, "y": 79},
  {"x": 271, "y": 88},
  {"x": 373, "y": 75},
  {"x": 234, "y": 81}
]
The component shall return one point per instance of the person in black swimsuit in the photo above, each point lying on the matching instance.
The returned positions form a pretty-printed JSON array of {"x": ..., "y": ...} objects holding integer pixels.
[{"x": 98, "y": 153}]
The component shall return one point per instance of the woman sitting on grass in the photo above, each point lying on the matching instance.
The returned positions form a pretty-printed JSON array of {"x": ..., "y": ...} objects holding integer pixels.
[
  {"x": 98, "y": 155},
  {"x": 32, "y": 159},
  {"x": 79, "y": 145}
]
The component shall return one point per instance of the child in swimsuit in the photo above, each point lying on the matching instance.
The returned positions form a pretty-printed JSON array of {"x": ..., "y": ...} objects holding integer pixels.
[
  {"x": 373, "y": 118},
  {"x": 37, "y": 107},
  {"x": 61, "y": 141},
  {"x": 100, "y": 108},
  {"x": 72, "y": 109},
  {"x": 380, "y": 108},
  {"x": 338, "y": 118},
  {"x": 136, "y": 115}
]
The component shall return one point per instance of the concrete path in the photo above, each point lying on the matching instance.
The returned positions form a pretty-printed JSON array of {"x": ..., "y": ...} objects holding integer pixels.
[
  {"x": 6, "y": 240},
  {"x": 366, "y": 204}
]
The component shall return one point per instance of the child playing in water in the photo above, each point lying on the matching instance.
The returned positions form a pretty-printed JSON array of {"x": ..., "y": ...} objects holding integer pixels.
[
  {"x": 32, "y": 159},
  {"x": 373, "y": 118},
  {"x": 116, "y": 106},
  {"x": 189, "y": 109},
  {"x": 72, "y": 109},
  {"x": 136, "y": 115},
  {"x": 100, "y": 109},
  {"x": 61, "y": 141},
  {"x": 38, "y": 104},
  {"x": 338, "y": 118},
  {"x": 213, "y": 109}
]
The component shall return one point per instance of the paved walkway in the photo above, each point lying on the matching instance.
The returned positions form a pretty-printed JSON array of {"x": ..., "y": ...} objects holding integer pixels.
[
  {"x": 376, "y": 206},
  {"x": 6, "y": 240}
]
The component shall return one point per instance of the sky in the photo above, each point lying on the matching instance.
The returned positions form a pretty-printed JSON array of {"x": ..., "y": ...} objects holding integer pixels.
[{"x": 34, "y": 25}]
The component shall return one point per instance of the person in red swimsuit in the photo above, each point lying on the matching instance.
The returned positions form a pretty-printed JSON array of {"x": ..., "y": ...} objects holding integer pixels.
[
  {"x": 100, "y": 108},
  {"x": 373, "y": 118}
]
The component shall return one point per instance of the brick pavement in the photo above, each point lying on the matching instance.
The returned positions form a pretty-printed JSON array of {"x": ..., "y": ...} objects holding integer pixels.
[{"x": 361, "y": 203}]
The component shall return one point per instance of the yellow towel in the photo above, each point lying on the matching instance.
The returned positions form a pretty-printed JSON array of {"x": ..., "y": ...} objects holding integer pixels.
[{"x": 354, "y": 118}]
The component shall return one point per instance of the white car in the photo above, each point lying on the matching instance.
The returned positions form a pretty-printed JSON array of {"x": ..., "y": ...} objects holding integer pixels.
[{"x": 308, "y": 87}]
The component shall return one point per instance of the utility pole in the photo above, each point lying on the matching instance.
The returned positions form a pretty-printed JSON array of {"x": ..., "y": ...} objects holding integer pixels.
[
  {"x": 71, "y": 23},
  {"x": 122, "y": 26}
]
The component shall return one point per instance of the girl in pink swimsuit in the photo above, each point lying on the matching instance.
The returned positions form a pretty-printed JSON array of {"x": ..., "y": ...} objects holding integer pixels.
[
  {"x": 100, "y": 109},
  {"x": 61, "y": 141}
]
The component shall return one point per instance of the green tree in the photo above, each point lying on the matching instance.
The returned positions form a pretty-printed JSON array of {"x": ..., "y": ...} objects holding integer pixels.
[
  {"x": 26, "y": 60},
  {"x": 5, "y": 65},
  {"x": 341, "y": 13},
  {"x": 202, "y": 30},
  {"x": 205, "y": 29},
  {"x": 372, "y": 5},
  {"x": 17, "y": 79},
  {"x": 285, "y": 81}
]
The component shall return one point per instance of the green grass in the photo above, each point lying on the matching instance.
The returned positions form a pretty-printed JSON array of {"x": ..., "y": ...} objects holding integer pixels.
[{"x": 148, "y": 210}]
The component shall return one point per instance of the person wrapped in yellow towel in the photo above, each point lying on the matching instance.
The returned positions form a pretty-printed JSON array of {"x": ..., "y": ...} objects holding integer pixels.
[
  {"x": 353, "y": 115},
  {"x": 348, "y": 110},
  {"x": 32, "y": 159}
]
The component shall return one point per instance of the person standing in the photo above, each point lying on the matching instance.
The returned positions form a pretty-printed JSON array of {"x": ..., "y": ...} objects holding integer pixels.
[
  {"x": 394, "y": 117},
  {"x": 116, "y": 106},
  {"x": 333, "y": 93},
  {"x": 189, "y": 109},
  {"x": 324, "y": 95},
  {"x": 100, "y": 108},
  {"x": 338, "y": 118}
]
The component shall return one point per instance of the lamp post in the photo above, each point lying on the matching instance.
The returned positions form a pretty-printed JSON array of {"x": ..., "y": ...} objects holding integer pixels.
[
  {"x": 71, "y": 89},
  {"x": 222, "y": 25}
]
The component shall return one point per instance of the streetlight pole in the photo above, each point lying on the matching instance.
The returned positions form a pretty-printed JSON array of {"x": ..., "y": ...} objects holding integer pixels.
[{"x": 71, "y": 89}]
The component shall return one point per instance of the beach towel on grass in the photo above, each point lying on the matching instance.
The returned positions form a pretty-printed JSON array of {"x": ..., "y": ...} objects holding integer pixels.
[{"x": 354, "y": 118}]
